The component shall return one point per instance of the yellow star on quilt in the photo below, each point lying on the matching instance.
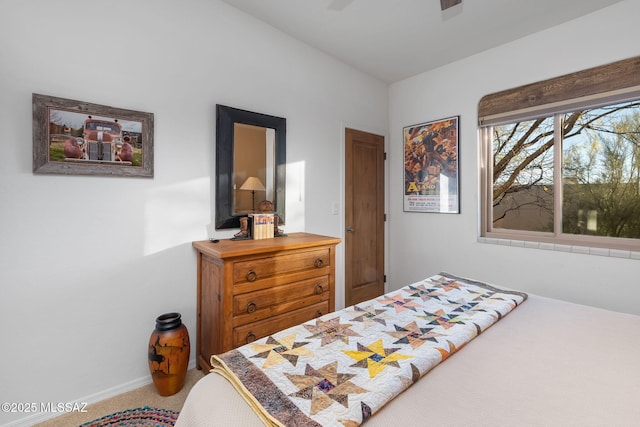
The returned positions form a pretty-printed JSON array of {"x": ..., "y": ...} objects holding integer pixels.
[
  {"x": 276, "y": 352},
  {"x": 375, "y": 357}
]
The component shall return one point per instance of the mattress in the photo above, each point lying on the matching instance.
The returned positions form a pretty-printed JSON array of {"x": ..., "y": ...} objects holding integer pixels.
[{"x": 548, "y": 363}]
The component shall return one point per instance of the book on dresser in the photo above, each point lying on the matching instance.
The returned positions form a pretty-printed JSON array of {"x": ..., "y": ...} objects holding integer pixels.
[
  {"x": 262, "y": 225},
  {"x": 248, "y": 289}
]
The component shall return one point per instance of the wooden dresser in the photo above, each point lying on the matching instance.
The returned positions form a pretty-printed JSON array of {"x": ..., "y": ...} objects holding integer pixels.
[{"x": 248, "y": 289}]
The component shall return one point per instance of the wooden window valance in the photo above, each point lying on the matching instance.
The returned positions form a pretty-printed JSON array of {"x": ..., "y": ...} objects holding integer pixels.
[{"x": 617, "y": 81}]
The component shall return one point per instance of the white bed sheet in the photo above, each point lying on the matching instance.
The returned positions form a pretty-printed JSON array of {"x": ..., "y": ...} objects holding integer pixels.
[{"x": 548, "y": 363}]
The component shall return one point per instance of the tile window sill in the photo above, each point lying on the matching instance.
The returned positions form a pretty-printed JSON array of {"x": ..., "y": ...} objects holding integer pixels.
[{"x": 613, "y": 253}]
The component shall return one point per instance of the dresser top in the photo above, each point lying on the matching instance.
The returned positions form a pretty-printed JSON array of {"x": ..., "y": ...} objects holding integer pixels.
[{"x": 227, "y": 248}]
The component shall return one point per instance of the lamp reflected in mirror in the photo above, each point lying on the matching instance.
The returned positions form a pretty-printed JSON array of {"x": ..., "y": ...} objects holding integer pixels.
[{"x": 253, "y": 184}]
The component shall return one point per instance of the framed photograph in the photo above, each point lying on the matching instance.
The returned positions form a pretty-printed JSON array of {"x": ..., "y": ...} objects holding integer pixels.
[
  {"x": 79, "y": 138},
  {"x": 431, "y": 173}
]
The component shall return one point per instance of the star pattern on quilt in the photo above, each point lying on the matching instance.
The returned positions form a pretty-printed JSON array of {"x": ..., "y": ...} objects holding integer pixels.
[
  {"x": 424, "y": 293},
  {"x": 441, "y": 318},
  {"x": 399, "y": 303},
  {"x": 413, "y": 335},
  {"x": 369, "y": 316},
  {"x": 466, "y": 308},
  {"x": 375, "y": 357},
  {"x": 275, "y": 352},
  {"x": 450, "y": 285},
  {"x": 409, "y": 381},
  {"x": 445, "y": 353},
  {"x": 480, "y": 294},
  {"x": 331, "y": 330},
  {"x": 496, "y": 300},
  {"x": 324, "y": 386},
  {"x": 445, "y": 283}
]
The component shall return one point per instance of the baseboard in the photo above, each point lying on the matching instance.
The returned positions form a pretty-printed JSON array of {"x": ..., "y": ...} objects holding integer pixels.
[{"x": 93, "y": 398}]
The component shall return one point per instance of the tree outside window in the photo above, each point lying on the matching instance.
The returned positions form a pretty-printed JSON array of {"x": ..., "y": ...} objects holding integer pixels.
[{"x": 596, "y": 189}]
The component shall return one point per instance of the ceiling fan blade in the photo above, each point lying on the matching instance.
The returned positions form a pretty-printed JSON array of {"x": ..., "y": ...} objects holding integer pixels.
[
  {"x": 340, "y": 4},
  {"x": 446, "y": 4}
]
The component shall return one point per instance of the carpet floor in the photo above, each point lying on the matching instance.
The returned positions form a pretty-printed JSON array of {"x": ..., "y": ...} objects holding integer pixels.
[{"x": 139, "y": 398}]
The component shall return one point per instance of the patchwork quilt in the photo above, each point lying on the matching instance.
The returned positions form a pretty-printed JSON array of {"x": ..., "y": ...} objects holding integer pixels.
[{"x": 339, "y": 369}]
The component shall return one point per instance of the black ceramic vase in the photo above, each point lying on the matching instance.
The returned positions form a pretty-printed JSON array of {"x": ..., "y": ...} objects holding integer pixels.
[{"x": 169, "y": 354}]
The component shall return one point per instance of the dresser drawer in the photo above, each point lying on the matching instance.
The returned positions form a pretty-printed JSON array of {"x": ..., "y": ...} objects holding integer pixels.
[
  {"x": 261, "y": 268},
  {"x": 254, "y": 306},
  {"x": 248, "y": 333}
]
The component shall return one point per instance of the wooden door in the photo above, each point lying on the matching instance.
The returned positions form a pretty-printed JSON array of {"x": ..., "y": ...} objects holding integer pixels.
[{"x": 364, "y": 216}]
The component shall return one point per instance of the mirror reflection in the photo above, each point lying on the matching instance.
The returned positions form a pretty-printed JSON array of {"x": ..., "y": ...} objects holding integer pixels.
[
  {"x": 250, "y": 164},
  {"x": 253, "y": 181}
]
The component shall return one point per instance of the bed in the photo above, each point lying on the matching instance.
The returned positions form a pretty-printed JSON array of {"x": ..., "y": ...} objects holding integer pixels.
[{"x": 539, "y": 362}]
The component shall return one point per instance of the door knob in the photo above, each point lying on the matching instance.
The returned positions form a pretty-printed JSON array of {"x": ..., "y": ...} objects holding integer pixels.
[{"x": 350, "y": 229}]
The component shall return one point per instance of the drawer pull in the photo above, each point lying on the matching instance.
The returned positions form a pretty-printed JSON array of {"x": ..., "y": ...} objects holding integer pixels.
[
  {"x": 251, "y": 337},
  {"x": 251, "y": 307},
  {"x": 318, "y": 263},
  {"x": 251, "y": 276},
  {"x": 318, "y": 313},
  {"x": 319, "y": 289}
]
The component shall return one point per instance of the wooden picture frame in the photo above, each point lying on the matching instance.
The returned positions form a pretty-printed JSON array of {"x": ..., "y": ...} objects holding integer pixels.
[
  {"x": 431, "y": 166},
  {"x": 80, "y": 138}
]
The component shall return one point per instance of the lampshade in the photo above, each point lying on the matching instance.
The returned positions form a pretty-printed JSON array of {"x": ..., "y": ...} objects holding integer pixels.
[{"x": 252, "y": 183}]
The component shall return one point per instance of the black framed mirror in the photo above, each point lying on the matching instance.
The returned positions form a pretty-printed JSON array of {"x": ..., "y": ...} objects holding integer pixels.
[{"x": 250, "y": 164}]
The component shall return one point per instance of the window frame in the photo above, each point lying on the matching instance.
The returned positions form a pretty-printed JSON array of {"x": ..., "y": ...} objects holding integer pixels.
[{"x": 599, "y": 86}]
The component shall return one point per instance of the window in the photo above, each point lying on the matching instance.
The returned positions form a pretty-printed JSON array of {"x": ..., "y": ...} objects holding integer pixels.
[{"x": 564, "y": 172}]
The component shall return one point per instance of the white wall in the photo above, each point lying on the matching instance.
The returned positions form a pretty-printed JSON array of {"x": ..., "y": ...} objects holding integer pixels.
[
  {"x": 423, "y": 244},
  {"x": 88, "y": 263}
]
